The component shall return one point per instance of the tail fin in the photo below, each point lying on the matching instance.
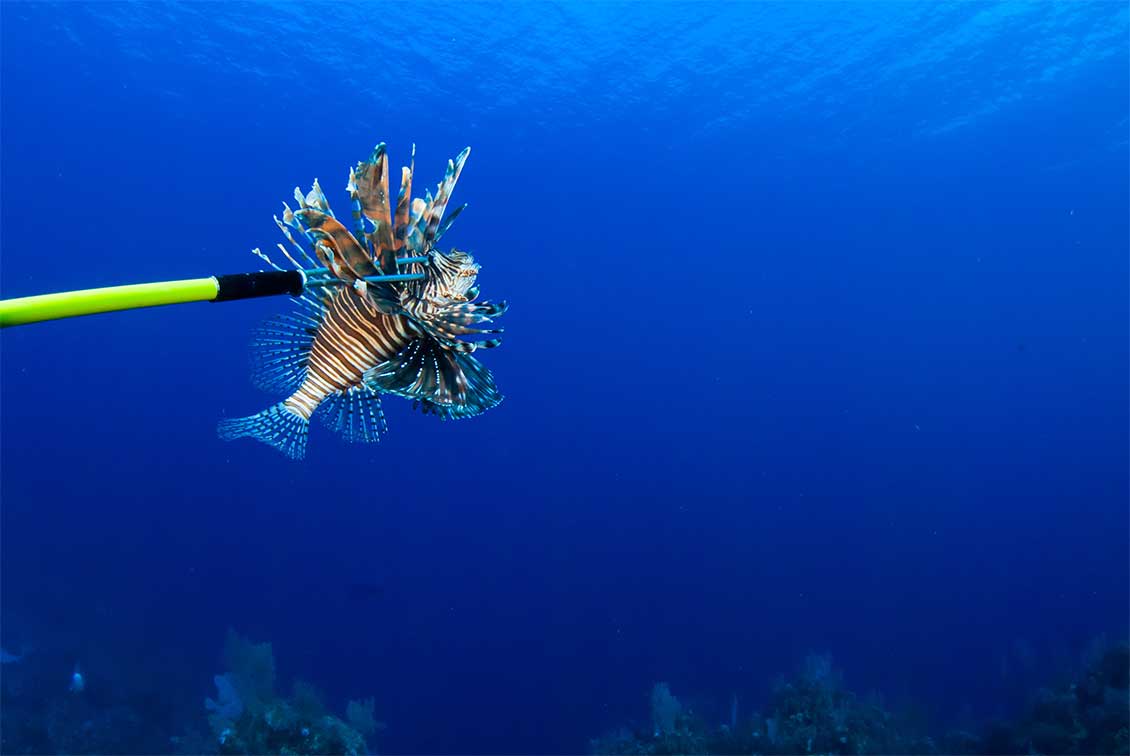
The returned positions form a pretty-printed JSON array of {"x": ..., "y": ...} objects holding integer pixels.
[{"x": 276, "y": 426}]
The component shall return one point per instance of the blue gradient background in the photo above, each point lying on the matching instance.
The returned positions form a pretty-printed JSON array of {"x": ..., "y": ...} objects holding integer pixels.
[{"x": 818, "y": 341}]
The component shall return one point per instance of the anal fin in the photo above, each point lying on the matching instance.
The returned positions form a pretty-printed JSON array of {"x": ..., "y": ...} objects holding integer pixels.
[{"x": 355, "y": 413}]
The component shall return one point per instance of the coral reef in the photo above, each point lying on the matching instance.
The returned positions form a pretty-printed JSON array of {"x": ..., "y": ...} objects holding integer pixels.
[
  {"x": 813, "y": 713},
  {"x": 1089, "y": 714},
  {"x": 133, "y": 710},
  {"x": 810, "y": 713},
  {"x": 665, "y": 710},
  {"x": 40, "y": 713},
  {"x": 360, "y": 715},
  {"x": 247, "y": 717}
]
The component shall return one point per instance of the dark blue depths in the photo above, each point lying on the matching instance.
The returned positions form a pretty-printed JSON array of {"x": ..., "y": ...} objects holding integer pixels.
[{"x": 818, "y": 343}]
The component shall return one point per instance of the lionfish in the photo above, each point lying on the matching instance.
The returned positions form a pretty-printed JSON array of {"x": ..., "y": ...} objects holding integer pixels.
[{"x": 408, "y": 330}]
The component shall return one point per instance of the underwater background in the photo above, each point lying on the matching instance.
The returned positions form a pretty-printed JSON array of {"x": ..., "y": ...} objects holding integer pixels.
[{"x": 818, "y": 344}]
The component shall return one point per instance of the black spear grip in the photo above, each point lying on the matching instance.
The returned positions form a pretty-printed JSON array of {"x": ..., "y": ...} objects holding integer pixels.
[{"x": 263, "y": 284}]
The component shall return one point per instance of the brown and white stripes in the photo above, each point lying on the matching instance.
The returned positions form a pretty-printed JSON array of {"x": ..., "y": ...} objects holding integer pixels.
[{"x": 351, "y": 338}]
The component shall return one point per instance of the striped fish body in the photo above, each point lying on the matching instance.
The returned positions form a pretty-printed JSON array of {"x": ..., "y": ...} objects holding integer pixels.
[
  {"x": 338, "y": 365},
  {"x": 351, "y": 339}
]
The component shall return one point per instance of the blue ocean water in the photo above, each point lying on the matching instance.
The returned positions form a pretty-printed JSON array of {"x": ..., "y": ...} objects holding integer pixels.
[{"x": 818, "y": 342}]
